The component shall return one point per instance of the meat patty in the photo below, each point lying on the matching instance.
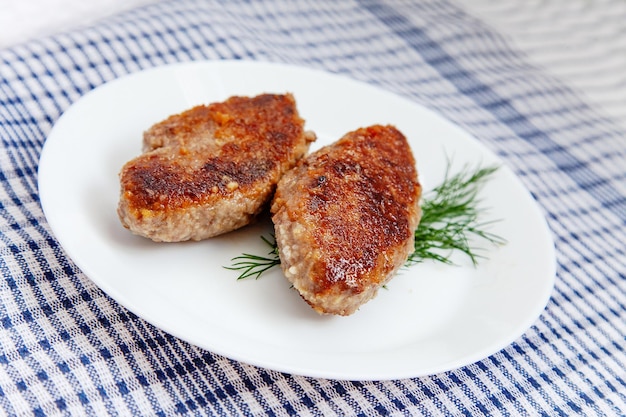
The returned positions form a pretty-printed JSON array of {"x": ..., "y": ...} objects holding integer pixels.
[
  {"x": 211, "y": 169},
  {"x": 345, "y": 218}
]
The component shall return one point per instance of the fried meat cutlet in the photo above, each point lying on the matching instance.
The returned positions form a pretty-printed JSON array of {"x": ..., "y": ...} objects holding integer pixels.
[
  {"x": 345, "y": 218},
  {"x": 211, "y": 169}
]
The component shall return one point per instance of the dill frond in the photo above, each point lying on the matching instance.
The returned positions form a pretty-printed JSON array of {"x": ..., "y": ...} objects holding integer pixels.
[
  {"x": 255, "y": 265},
  {"x": 450, "y": 218}
]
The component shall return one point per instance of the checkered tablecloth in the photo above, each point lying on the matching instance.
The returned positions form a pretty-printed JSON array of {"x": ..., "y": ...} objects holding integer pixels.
[{"x": 66, "y": 348}]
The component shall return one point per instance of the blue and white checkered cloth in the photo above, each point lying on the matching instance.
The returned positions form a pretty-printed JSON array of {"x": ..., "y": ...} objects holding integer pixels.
[{"x": 68, "y": 349}]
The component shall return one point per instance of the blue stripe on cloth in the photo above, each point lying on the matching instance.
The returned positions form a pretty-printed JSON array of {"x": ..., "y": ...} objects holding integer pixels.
[{"x": 484, "y": 96}]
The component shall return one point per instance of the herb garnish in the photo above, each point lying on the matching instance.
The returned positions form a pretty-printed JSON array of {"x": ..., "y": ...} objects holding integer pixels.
[
  {"x": 450, "y": 222},
  {"x": 254, "y": 265},
  {"x": 450, "y": 218}
]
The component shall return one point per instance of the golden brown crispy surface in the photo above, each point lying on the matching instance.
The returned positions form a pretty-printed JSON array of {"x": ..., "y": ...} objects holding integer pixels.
[
  {"x": 236, "y": 150},
  {"x": 346, "y": 216}
]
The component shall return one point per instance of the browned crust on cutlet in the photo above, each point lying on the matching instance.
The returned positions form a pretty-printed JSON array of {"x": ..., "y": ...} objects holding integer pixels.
[
  {"x": 207, "y": 161},
  {"x": 346, "y": 216}
]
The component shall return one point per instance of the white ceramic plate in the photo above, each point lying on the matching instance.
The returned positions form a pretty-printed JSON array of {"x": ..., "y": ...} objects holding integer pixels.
[{"x": 431, "y": 318}]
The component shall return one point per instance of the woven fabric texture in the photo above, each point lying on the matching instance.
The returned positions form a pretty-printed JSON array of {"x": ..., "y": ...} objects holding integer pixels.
[{"x": 66, "y": 348}]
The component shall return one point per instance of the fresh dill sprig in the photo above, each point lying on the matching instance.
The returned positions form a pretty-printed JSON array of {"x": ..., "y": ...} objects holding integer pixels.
[
  {"x": 450, "y": 218},
  {"x": 254, "y": 265},
  {"x": 450, "y": 222}
]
